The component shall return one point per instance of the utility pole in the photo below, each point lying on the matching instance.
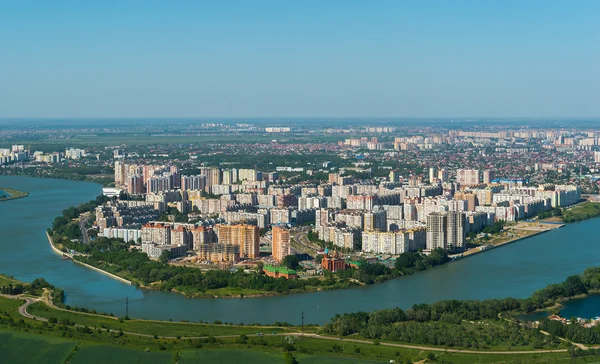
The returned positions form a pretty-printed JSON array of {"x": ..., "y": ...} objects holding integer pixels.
[
  {"x": 302, "y": 322},
  {"x": 127, "y": 307}
]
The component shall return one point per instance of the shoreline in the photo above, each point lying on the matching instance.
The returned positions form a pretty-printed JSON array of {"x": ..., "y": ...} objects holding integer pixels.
[
  {"x": 560, "y": 303},
  {"x": 474, "y": 251},
  {"x": 13, "y": 194},
  {"x": 477, "y": 250},
  {"x": 123, "y": 280},
  {"x": 273, "y": 294},
  {"x": 57, "y": 251}
]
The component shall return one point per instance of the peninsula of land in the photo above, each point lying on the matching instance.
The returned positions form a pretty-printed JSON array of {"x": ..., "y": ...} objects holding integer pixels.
[{"x": 11, "y": 194}]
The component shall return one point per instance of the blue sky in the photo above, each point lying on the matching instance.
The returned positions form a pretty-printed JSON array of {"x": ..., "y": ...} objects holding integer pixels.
[{"x": 322, "y": 58}]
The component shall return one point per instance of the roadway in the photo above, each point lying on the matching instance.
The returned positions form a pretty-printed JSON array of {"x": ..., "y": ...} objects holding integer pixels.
[
  {"x": 84, "y": 231},
  {"x": 302, "y": 244}
]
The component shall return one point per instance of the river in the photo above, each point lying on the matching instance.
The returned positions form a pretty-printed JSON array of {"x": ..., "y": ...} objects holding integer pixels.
[{"x": 514, "y": 270}]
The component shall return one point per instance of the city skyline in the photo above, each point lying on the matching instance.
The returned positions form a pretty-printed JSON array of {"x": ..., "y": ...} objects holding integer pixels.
[
  {"x": 300, "y": 182},
  {"x": 267, "y": 59}
]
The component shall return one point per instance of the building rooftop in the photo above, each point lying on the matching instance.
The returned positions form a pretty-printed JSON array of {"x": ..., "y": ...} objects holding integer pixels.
[{"x": 281, "y": 270}]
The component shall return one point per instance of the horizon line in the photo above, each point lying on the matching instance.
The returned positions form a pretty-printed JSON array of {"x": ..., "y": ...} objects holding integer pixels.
[{"x": 295, "y": 117}]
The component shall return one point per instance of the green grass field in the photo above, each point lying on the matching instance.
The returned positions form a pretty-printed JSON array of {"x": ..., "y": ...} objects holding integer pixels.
[
  {"x": 382, "y": 353},
  {"x": 322, "y": 359},
  {"x": 238, "y": 356},
  {"x": 258, "y": 356},
  {"x": 160, "y": 328},
  {"x": 10, "y": 307},
  {"x": 101, "y": 354},
  {"x": 583, "y": 211},
  {"x": 17, "y": 347},
  {"x": 22, "y": 347},
  {"x": 5, "y": 280}
]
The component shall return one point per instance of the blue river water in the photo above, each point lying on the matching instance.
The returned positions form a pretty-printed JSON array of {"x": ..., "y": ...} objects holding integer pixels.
[{"x": 514, "y": 270}]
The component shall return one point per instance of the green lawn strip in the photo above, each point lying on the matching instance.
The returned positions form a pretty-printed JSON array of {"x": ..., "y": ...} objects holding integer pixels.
[
  {"x": 311, "y": 346},
  {"x": 237, "y": 356},
  {"x": 305, "y": 347},
  {"x": 468, "y": 326},
  {"x": 43, "y": 310},
  {"x": 101, "y": 354},
  {"x": 6, "y": 280},
  {"x": 19, "y": 347},
  {"x": 191, "y": 329},
  {"x": 160, "y": 328},
  {"x": 323, "y": 359},
  {"x": 582, "y": 211},
  {"x": 10, "y": 307}
]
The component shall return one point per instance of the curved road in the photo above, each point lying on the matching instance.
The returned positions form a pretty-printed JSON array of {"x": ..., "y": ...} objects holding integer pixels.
[{"x": 23, "y": 309}]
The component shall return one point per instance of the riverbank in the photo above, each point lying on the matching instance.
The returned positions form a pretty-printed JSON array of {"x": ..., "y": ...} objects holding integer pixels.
[
  {"x": 273, "y": 286},
  {"x": 526, "y": 230},
  {"x": 560, "y": 305},
  {"x": 523, "y": 230},
  {"x": 11, "y": 194},
  {"x": 106, "y": 180},
  {"x": 123, "y": 341},
  {"x": 71, "y": 257},
  {"x": 479, "y": 320},
  {"x": 582, "y": 211}
]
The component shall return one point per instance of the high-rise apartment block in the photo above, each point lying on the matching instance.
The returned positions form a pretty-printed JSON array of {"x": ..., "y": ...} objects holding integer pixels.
[
  {"x": 470, "y": 198},
  {"x": 281, "y": 243},
  {"x": 488, "y": 176},
  {"x": 432, "y": 174},
  {"x": 135, "y": 184},
  {"x": 194, "y": 183},
  {"x": 443, "y": 175},
  {"x": 446, "y": 230},
  {"x": 385, "y": 243},
  {"x": 467, "y": 177},
  {"x": 246, "y": 236}
]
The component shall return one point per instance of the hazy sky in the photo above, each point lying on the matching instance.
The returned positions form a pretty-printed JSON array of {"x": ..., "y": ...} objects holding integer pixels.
[{"x": 299, "y": 58}]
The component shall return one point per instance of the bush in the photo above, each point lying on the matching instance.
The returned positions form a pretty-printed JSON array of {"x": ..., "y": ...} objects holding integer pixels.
[{"x": 288, "y": 347}]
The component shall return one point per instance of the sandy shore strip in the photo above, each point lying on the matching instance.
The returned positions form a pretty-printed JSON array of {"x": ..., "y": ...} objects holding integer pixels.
[{"x": 55, "y": 249}]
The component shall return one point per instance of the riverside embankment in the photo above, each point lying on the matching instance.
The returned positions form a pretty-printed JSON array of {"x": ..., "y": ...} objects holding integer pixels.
[
  {"x": 72, "y": 257},
  {"x": 522, "y": 230}
]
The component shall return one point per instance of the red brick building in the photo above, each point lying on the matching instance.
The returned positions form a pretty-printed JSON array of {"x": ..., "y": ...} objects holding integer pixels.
[{"x": 333, "y": 262}]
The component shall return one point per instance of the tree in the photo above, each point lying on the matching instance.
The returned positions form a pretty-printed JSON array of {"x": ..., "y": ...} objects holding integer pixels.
[
  {"x": 574, "y": 285},
  {"x": 165, "y": 256},
  {"x": 407, "y": 260},
  {"x": 291, "y": 261},
  {"x": 289, "y": 358}
]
